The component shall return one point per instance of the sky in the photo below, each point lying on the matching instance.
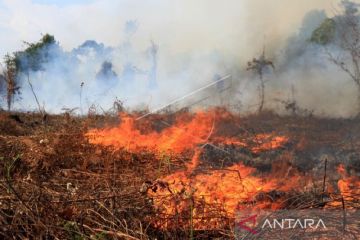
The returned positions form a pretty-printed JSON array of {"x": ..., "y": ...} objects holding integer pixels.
[
  {"x": 62, "y": 2},
  {"x": 182, "y": 25}
]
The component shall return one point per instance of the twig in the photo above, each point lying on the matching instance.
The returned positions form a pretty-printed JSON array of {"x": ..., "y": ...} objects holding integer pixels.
[
  {"x": 344, "y": 213},
  {"x": 33, "y": 92},
  {"x": 324, "y": 181}
]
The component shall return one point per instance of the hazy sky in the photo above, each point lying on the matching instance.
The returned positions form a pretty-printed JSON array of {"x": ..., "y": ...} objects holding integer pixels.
[
  {"x": 196, "y": 39},
  {"x": 62, "y": 2},
  {"x": 179, "y": 24}
]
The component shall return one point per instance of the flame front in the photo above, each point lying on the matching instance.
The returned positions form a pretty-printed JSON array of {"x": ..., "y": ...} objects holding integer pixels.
[
  {"x": 349, "y": 187},
  {"x": 201, "y": 193},
  {"x": 177, "y": 138}
]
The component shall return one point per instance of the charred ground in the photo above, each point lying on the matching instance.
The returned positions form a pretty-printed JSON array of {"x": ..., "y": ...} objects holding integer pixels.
[{"x": 56, "y": 184}]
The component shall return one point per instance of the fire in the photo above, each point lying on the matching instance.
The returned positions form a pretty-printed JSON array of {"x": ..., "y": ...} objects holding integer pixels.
[
  {"x": 268, "y": 142},
  {"x": 177, "y": 138},
  {"x": 230, "y": 189},
  {"x": 194, "y": 189},
  {"x": 349, "y": 187},
  {"x": 186, "y": 133},
  {"x": 226, "y": 189}
]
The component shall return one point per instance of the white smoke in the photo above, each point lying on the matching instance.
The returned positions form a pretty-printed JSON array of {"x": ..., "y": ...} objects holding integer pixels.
[{"x": 196, "y": 41}]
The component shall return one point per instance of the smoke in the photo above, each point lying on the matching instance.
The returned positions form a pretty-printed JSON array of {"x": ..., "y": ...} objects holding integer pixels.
[
  {"x": 304, "y": 68},
  {"x": 149, "y": 53}
]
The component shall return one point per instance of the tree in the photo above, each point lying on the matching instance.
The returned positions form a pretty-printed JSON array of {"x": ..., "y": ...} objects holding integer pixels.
[
  {"x": 325, "y": 33},
  {"x": 343, "y": 32},
  {"x": 258, "y": 66},
  {"x": 32, "y": 59},
  {"x": 10, "y": 79},
  {"x": 107, "y": 73},
  {"x": 36, "y": 54}
]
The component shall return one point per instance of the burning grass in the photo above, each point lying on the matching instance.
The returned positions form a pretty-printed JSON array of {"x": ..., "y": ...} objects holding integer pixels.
[{"x": 175, "y": 175}]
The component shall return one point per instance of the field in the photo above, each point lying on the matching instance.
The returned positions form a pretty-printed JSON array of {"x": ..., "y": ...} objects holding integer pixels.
[{"x": 173, "y": 175}]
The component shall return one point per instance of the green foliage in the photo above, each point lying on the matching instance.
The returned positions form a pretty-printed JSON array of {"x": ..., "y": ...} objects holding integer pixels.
[
  {"x": 35, "y": 54},
  {"x": 9, "y": 166},
  {"x": 10, "y": 61},
  {"x": 73, "y": 231},
  {"x": 101, "y": 236},
  {"x": 325, "y": 33},
  {"x": 33, "y": 48}
]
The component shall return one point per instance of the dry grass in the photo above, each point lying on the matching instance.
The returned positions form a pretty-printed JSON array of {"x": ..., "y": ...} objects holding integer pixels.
[{"x": 55, "y": 185}]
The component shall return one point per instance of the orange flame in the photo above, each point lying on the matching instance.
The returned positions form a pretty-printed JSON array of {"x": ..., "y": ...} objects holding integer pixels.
[
  {"x": 181, "y": 136},
  {"x": 268, "y": 142},
  {"x": 197, "y": 189},
  {"x": 349, "y": 187}
]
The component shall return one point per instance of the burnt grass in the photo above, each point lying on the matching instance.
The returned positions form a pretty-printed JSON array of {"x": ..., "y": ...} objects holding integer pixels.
[{"x": 54, "y": 184}]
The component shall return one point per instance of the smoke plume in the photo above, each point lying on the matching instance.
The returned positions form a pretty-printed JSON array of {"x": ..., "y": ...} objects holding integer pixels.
[{"x": 148, "y": 54}]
